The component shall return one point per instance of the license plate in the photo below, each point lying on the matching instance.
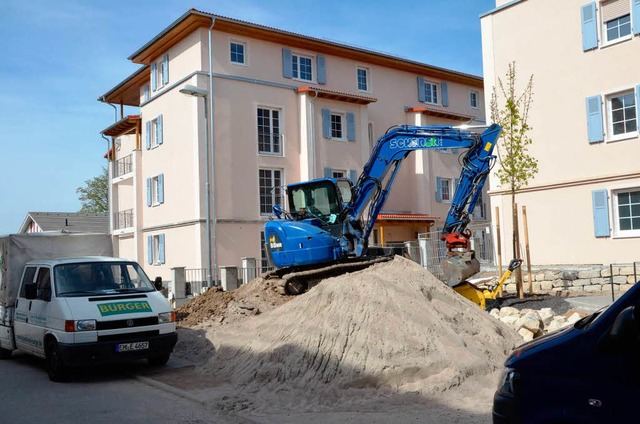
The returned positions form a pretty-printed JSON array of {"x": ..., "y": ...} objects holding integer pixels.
[{"x": 127, "y": 347}]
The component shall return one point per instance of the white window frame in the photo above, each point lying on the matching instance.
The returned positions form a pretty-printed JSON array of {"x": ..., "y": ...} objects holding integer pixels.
[
  {"x": 429, "y": 88},
  {"x": 280, "y": 128},
  {"x": 160, "y": 74},
  {"x": 609, "y": 115},
  {"x": 276, "y": 190},
  {"x": 367, "y": 79},
  {"x": 616, "y": 214},
  {"x": 473, "y": 93},
  {"x": 445, "y": 183},
  {"x": 604, "y": 35},
  {"x": 343, "y": 130},
  {"x": 155, "y": 190},
  {"x": 155, "y": 133},
  {"x": 155, "y": 243},
  {"x": 245, "y": 51},
  {"x": 295, "y": 67}
]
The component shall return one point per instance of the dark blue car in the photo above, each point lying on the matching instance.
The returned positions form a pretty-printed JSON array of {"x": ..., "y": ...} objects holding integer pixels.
[{"x": 587, "y": 373}]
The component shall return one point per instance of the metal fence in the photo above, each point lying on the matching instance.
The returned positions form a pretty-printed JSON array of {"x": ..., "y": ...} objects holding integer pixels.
[
  {"x": 123, "y": 166},
  {"x": 196, "y": 278}
]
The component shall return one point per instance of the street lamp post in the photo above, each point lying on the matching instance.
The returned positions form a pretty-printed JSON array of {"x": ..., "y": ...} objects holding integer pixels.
[{"x": 192, "y": 90}]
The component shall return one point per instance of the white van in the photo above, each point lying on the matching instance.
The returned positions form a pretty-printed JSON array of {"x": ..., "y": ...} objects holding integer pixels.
[{"x": 87, "y": 311}]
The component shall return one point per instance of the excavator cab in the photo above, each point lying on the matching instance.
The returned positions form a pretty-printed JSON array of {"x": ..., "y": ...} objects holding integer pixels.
[{"x": 320, "y": 200}]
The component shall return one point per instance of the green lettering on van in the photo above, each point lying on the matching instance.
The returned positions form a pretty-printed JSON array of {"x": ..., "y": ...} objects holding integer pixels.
[{"x": 117, "y": 308}]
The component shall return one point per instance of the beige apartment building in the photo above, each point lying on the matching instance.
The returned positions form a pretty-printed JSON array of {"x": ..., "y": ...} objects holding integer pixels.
[
  {"x": 274, "y": 108},
  {"x": 583, "y": 207}
]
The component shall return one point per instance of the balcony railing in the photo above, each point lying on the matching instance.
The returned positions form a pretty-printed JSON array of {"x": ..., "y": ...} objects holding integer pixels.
[
  {"x": 123, "y": 219},
  {"x": 123, "y": 166}
]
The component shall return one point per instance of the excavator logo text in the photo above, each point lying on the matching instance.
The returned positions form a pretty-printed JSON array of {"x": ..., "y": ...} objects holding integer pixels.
[
  {"x": 273, "y": 243},
  {"x": 415, "y": 142}
]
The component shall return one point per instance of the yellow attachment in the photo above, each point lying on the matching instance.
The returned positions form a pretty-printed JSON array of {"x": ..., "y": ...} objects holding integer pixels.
[{"x": 472, "y": 293}]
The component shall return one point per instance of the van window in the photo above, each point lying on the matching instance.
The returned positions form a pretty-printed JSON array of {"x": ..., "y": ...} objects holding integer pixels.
[
  {"x": 27, "y": 278},
  {"x": 44, "y": 283}
]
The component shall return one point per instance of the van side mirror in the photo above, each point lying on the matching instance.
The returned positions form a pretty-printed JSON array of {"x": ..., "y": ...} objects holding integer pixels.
[
  {"x": 158, "y": 283},
  {"x": 625, "y": 327},
  {"x": 30, "y": 291}
]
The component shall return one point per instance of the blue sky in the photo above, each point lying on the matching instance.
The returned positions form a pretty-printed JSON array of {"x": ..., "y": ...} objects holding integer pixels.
[{"x": 59, "y": 56}]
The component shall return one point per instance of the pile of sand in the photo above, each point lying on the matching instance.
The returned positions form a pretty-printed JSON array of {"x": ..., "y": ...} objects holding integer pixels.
[{"x": 389, "y": 333}]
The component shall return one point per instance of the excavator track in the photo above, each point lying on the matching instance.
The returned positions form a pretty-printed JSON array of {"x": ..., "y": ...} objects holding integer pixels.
[{"x": 295, "y": 281}]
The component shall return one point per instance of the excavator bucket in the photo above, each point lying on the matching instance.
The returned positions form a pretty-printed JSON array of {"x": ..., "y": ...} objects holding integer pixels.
[{"x": 458, "y": 268}]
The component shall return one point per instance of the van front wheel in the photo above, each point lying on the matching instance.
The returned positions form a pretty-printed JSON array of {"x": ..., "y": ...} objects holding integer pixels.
[{"x": 55, "y": 366}]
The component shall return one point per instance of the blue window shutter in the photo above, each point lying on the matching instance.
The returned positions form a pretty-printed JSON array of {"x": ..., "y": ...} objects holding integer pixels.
[
  {"x": 595, "y": 126},
  {"x": 635, "y": 17},
  {"x": 161, "y": 188},
  {"x": 322, "y": 69},
  {"x": 159, "y": 129},
  {"x": 600, "y": 213},
  {"x": 326, "y": 123},
  {"x": 445, "y": 94},
  {"x": 353, "y": 176},
  {"x": 149, "y": 250},
  {"x": 589, "y": 27},
  {"x": 154, "y": 71},
  {"x": 287, "y": 63},
  {"x": 638, "y": 101},
  {"x": 328, "y": 172},
  {"x": 421, "y": 97},
  {"x": 148, "y": 191},
  {"x": 165, "y": 70},
  {"x": 161, "y": 248},
  {"x": 148, "y": 135},
  {"x": 146, "y": 92},
  {"x": 351, "y": 126},
  {"x": 438, "y": 189}
]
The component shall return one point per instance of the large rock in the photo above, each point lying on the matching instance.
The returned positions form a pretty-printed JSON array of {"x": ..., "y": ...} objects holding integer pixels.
[
  {"x": 546, "y": 315},
  {"x": 509, "y": 311},
  {"x": 529, "y": 321},
  {"x": 526, "y": 334}
]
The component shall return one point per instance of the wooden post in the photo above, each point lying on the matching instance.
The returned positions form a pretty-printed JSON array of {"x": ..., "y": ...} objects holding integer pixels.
[
  {"x": 526, "y": 244},
  {"x": 516, "y": 251},
  {"x": 499, "y": 246}
]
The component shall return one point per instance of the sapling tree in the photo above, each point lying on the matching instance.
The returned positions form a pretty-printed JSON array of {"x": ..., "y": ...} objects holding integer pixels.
[
  {"x": 516, "y": 167},
  {"x": 94, "y": 195}
]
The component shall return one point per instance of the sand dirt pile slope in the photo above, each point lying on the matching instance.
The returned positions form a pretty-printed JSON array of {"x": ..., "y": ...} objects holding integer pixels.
[{"x": 390, "y": 329}]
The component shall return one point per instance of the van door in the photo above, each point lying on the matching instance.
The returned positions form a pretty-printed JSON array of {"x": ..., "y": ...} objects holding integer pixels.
[
  {"x": 23, "y": 310},
  {"x": 40, "y": 308}
]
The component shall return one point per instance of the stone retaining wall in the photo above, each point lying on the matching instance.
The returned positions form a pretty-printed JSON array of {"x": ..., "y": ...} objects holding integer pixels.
[{"x": 591, "y": 280}]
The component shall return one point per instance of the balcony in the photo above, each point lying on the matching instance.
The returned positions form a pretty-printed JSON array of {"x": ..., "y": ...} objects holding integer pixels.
[
  {"x": 123, "y": 169},
  {"x": 123, "y": 220}
]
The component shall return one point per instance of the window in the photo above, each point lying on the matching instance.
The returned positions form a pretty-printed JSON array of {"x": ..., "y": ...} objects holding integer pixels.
[
  {"x": 237, "y": 50},
  {"x": 155, "y": 249},
  {"x": 618, "y": 28},
  {"x": 443, "y": 189},
  {"x": 302, "y": 68},
  {"x": 154, "y": 132},
  {"x": 627, "y": 206},
  {"x": 336, "y": 126},
  {"x": 160, "y": 73},
  {"x": 337, "y": 173},
  {"x": 43, "y": 284},
  {"x": 480, "y": 210},
  {"x": 29, "y": 274},
  {"x": 145, "y": 93},
  {"x": 372, "y": 140},
  {"x": 363, "y": 79},
  {"x": 270, "y": 183},
  {"x": 622, "y": 114},
  {"x": 264, "y": 262},
  {"x": 269, "y": 136},
  {"x": 473, "y": 99},
  {"x": 155, "y": 190},
  {"x": 430, "y": 93}
]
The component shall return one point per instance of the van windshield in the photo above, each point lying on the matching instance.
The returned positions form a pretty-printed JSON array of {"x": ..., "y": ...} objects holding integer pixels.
[{"x": 95, "y": 278}]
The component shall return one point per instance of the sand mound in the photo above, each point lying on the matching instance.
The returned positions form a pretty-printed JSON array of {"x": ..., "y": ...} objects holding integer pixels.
[
  {"x": 253, "y": 298},
  {"x": 392, "y": 329}
]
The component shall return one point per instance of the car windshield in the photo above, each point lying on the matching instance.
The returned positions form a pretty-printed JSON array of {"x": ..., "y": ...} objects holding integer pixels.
[{"x": 95, "y": 278}]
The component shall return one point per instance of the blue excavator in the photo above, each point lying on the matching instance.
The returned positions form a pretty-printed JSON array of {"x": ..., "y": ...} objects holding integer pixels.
[{"x": 326, "y": 229}]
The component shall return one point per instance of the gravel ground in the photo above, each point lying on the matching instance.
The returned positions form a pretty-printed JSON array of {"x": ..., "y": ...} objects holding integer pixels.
[{"x": 537, "y": 302}]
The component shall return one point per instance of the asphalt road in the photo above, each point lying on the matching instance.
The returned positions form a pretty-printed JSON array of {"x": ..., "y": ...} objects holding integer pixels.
[{"x": 108, "y": 395}]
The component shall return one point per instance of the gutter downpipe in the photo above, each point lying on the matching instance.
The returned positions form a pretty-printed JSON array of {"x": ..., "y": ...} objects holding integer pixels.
[{"x": 213, "y": 159}]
